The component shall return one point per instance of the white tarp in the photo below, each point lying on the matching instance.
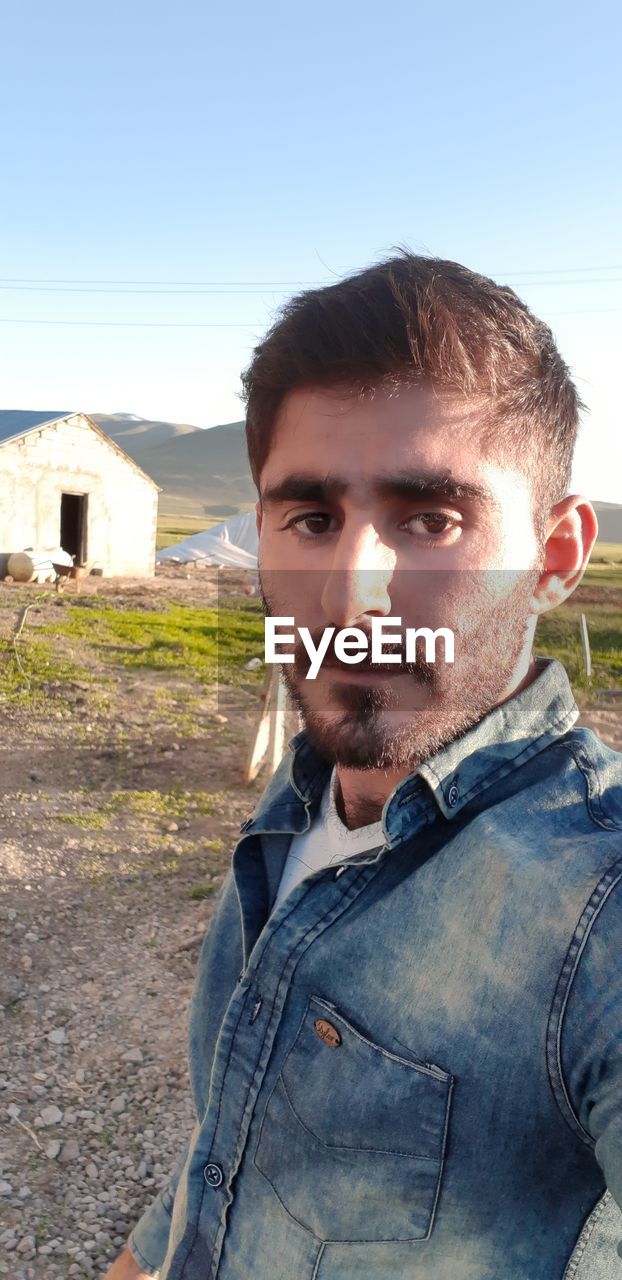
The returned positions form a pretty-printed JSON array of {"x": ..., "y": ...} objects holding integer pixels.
[{"x": 233, "y": 543}]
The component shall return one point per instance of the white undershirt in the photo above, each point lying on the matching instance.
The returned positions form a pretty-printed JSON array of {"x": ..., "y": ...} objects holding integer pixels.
[{"x": 327, "y": 841}]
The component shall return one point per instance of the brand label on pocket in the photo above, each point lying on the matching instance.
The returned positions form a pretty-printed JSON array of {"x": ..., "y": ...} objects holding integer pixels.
[{"x": 327, "y": 1033}]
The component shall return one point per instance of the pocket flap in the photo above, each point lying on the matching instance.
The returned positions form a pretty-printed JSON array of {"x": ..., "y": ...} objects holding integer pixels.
[{"x": 355, "y": 1094}]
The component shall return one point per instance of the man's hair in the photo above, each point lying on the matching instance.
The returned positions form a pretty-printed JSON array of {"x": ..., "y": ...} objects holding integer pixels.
[{"x": 412, "y": 320}]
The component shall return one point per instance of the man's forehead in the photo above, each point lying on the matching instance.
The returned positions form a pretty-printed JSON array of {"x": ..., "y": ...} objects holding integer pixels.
[
  {"x": 414, "y": 403},
  {"x": 418, "y": 425}
]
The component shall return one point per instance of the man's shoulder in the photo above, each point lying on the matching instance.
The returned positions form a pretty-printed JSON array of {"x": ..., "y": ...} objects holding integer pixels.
[
  {"x": 561, "y": 806},
  {"x": 567, "y": 808},
  {"x": 600, "y": 768}
]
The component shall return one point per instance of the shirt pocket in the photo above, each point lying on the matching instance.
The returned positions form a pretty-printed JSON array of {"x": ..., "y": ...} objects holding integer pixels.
[{"x": 353, "y": 1137}]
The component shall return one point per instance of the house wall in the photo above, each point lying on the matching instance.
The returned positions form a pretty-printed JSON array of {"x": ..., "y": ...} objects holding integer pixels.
[{"x": 71, "y": 457}]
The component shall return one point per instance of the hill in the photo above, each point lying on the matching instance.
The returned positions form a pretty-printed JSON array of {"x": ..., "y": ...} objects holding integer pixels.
[
  {"x": 200, "y": 472},
  {"x": 138, "y": 436},
  {"x": 609, "y": 515}
]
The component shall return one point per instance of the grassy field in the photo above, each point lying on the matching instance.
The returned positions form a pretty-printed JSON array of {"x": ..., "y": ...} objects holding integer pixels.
[
  {"x": 605, "y": 567},
  {"x": 558, "y": 633},
  {"x": 558, "y": 636},
  {"x": 172, "y": 529},
  {"x": 87, "y": 638}
]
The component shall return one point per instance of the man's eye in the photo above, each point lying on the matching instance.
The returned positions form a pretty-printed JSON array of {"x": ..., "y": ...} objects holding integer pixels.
[
  {"x": 312, "y": 525},
  {"x": 432, "y": 523}
]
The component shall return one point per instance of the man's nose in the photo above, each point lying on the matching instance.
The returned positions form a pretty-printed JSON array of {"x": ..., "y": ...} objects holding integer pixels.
[{"x": 359, "y": 578}]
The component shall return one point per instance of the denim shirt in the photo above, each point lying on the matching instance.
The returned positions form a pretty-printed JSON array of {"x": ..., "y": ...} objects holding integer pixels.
[{"x": 413, "y": 1067}]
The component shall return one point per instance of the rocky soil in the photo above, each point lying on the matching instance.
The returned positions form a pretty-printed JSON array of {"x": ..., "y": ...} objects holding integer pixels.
[{"x": 116, "y": 828}]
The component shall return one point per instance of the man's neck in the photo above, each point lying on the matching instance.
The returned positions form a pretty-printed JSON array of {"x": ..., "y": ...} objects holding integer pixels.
[{"x": 361, "y": 794}]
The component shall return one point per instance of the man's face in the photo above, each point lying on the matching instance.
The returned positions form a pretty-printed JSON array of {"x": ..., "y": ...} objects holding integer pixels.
[{"x": 384, "y": 506}]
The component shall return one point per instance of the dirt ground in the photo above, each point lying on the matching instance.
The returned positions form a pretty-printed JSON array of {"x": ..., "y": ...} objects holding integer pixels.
[{"x": 117, "y": 825}]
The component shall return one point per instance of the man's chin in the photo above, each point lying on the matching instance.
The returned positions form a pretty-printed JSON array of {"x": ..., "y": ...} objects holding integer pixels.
[
  {"x": 375, "y": 740},
  {"x": 350, "y": 744},
  {"x": 358, "y": 726}
]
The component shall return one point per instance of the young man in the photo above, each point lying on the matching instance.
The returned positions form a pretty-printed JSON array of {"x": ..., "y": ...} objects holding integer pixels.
[{"x": 406, "y": 1032}]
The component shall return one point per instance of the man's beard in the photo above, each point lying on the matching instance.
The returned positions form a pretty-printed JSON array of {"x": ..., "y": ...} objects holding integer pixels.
[{"x": 489, "y": 640}]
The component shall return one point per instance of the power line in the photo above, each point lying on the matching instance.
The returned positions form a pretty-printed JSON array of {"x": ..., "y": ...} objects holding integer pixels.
[
  {"x": 239, "y": 324},
  {"x": 239, "y": 285},
  {"x": 195, "y": 292},
  {"x": 200, "y": 292},
  {"x": 228, "y": 284},
  {"x": 138, "y": 324},
  {"x": 557, "y": 271},
  {"x": 583, "y": 311}
]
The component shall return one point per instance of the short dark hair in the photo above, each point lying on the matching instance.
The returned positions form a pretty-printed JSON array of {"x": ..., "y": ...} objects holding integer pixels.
[{"x": 410, "y": 320}]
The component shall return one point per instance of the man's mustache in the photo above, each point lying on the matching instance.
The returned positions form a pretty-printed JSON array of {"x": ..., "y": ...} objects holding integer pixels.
[{"x": 421, "y": 671}]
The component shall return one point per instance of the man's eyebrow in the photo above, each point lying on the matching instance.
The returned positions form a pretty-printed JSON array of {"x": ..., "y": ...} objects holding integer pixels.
[
  {"x": 307, "y": 487},
  {"x": 423, "y": 486},
  {"x": 303, "y": 487}
]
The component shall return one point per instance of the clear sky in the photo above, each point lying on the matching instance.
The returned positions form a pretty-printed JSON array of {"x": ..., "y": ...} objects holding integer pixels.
[{"x": 237, "y": 152}]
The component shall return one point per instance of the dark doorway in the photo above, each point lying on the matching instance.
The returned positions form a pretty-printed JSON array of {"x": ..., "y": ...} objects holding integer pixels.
[{"x": 73, "y": 525}]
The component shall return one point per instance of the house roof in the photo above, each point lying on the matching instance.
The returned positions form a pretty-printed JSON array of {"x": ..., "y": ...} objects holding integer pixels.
[
  {"x": 16, "y": 422},
  {"x": 21, "y": 422}
]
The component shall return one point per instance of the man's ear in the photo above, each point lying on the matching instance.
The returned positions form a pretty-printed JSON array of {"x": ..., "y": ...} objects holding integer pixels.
[
  {"x": 572, "y": 530},
  {"x": 258, "y": 516}
]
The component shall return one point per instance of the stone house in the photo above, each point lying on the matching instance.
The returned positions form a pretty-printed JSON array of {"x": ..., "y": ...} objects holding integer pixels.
[{"x": 64, "y": 483}]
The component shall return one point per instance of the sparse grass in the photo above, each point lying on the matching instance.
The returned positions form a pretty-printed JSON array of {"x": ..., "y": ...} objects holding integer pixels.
[
  {"x": 558, "y": 636},
  {"x": 166, "y": 868},
  {"x": 604, "y": 551},
  {"x": 41, "y": 1228},
  {"x": 91, "y": 869},
  {"x": 174, "y": 803},
  {"x": 144, "y": 804},
  {"x": 209, "y": 645},
  {"x": 30, "y": 665},
  {"x": 92, "y": 821},
  {"x": 200, "y": 891},
  {"x": 605, "y": 566}
]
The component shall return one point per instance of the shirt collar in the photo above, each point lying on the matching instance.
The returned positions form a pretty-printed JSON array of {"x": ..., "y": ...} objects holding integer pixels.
[{"x": 502, "y": 740}]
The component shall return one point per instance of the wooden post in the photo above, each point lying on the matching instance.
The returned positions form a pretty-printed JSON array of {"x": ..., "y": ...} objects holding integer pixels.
[
  {"x": 585, "y": 642},
  {"x": 276, "y": 743},
  {"x": 261, "y": 735},
  {"x": 268, "y": 741}
]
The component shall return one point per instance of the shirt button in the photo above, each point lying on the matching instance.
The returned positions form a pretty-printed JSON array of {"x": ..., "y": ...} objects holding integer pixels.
[
  {"x": 213, "y": 1175},
  {"x": 452, "y": 795}
]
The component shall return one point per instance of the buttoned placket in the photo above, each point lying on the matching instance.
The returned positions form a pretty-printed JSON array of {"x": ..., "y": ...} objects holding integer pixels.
[{"x": 272, "y": 954}]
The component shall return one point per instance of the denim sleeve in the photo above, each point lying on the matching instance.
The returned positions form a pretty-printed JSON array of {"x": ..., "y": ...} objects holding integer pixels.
[
  {"x": 148, "y": 1241},
  {"x": 591, "y": 1036}
]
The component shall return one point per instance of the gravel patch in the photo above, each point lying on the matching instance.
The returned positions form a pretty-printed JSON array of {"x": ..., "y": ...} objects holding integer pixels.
[{"x": 92, "y": 1121}]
